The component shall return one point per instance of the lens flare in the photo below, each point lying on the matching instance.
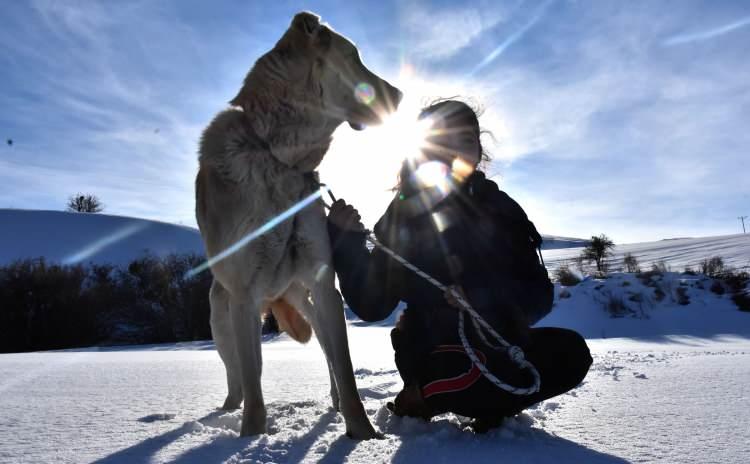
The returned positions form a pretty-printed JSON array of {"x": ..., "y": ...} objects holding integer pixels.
[
  {"x": 273, "y": 222},
  {"x": 104, "y": 242},
  {"x": 461, "y": 169},
  {"x": 364, "y": 93},
  {"x": 432, "y": 174}
]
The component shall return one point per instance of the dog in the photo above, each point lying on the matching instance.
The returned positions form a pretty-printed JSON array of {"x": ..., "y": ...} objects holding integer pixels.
[{"x": 258, "y": 159}]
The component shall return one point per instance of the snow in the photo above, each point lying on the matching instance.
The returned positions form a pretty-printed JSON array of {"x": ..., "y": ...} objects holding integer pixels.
[
  {"x": 673, "y": 399},
  {"x": 669, "y": 381},
  {"x": 72, "y": 238},
  {"x": 644, "y": 314}
]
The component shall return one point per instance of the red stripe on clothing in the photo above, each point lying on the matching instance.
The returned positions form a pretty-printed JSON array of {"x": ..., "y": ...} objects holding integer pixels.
[{"x": 458, "y": 383}]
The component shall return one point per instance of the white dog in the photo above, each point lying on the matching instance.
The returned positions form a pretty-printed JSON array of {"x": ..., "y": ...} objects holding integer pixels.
[{"x": 258, "y": 160}]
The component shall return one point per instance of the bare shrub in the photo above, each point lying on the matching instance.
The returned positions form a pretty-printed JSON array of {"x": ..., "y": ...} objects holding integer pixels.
[
  {"x": 630, "y": 263},
  {"x": 80, "y": 203},
  {"x": 717, "y": 288},
  {"x": 567, "y": 277},
  {"x": 616, "y": 307},
  {"x": 712, "y": 267},
  {"x": 682, "y": 296},
  {"x": 660, "y": 267},
  {"x": 742, "y": 300}
]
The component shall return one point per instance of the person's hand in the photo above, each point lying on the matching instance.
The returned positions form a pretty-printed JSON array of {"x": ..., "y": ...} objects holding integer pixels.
[
  {"x": 448, "y": 295},
  {"x": 345, "y": 217}
]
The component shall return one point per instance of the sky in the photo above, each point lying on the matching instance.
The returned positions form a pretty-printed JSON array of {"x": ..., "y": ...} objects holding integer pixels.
[{"x": 623, "y": 118}]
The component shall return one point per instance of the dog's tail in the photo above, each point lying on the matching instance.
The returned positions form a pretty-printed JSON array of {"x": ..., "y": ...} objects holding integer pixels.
[{"x": 291, "y": 321}]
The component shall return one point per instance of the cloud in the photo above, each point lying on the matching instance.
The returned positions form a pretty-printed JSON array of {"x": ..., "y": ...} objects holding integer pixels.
[
  {"x": 104, "y": 103},
  {"x": 435, "y": 33},
  {"x": 514, "y": 37},
  {"x": 709, "y": 34},
  {"x": 621, "y": 136}
]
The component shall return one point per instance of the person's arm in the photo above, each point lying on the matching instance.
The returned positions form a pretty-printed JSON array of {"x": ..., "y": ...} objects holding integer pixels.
[{"x": 370, "y": 282}]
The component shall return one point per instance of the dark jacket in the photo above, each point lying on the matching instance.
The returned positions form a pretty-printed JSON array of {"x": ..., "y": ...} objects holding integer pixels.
[{"x": 471, "y": 239}]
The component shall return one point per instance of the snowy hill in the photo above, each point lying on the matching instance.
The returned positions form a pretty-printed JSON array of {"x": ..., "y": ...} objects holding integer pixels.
[
  {"x": 72, "y": 238},
  {"x": 652, "y": 306},
  {"x": 553, "y": 242},
  {"x": 676, "y": 253}
]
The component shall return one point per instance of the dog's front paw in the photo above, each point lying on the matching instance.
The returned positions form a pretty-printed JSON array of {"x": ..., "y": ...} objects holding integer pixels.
[
  {"x": 363, "y": 432},
  {"x": 249, "y": 429},
  {"x": 253, "y": 422},
  {"x": 230, "y": 404}
]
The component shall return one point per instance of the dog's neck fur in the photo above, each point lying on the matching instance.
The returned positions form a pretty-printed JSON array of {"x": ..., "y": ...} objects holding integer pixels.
[{"x": 285, "y": 115}]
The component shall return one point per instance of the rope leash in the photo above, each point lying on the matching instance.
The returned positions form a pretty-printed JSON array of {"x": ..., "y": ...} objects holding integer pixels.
[{"x": 514, "y": 352}]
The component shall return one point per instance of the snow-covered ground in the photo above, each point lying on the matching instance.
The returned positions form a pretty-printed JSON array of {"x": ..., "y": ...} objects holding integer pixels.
[
  {"x": 676, "y": 400},
  {"x": 653, "y": 397},
  {"x": 73, "y": 238}
]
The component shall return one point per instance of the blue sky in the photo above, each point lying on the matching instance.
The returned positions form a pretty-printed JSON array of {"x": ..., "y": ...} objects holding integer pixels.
[{"x": 624, "y": 118}]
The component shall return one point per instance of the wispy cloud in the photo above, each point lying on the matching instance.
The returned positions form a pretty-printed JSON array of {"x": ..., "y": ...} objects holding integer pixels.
[
  {"x": 438, "y": 32},
  {"x": 513, "y": 38},
  {"x": 103, "y": 102},
  {"x": 709, "y": 34}
]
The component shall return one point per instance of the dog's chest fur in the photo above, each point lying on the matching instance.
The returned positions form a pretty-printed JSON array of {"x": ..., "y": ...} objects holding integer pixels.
[{"x": 256, "y": 188}]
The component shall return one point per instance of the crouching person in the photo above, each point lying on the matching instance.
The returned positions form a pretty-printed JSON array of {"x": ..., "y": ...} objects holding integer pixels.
[{"x": 465, "y": 232}]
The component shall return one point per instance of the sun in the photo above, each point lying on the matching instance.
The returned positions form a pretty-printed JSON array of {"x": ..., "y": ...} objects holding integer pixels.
[{"x": 362, "y": 166}]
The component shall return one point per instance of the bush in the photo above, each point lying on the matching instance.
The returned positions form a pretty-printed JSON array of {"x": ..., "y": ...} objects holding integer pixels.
[
  {"x": 566, "y": 277},
  {"x": 712, "y": 267},
  {"x": 660, "y": 267},
  {"x": 735, "y": 281},
  {"x": 616, "y": 307},
  {"x": 742, "y": 300},
  {"x": 682, "y": 296},
  {"x": 44, "y": 307},
  {"x": 48, "y": 306},
  {"x": 80, "y": 203},
  {"x": 630, "y": 263},
  {"x": 598, "y": 250},
  {"x": 717, "y": 288}
]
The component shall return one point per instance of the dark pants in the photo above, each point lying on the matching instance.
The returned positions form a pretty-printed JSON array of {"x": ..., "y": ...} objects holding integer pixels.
[{"x": 450, "y": 382}]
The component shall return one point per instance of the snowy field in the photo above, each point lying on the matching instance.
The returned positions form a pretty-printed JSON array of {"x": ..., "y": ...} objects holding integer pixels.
[
  {"x": 676, "y": 253},
  {"x": 672, "y": 399}
]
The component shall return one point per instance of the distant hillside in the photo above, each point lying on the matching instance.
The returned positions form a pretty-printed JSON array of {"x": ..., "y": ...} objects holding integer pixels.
[
  {"x": 676, "y": 253},
  {"x": 552, "y": 242},
  {"x": 71, "y": 238}
]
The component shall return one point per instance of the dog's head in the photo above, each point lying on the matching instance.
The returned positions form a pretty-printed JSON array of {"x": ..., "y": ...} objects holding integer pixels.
[{"x": 315, "y": 67}]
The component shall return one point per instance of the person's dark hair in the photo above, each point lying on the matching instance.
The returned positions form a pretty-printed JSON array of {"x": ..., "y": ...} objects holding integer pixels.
[{"x": 457, "y": 112}]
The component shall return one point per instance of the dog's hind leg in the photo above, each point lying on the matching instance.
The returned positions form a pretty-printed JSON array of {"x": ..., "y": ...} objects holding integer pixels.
[
  {"x": 245, "y": 309},
  {"x": 330, "y": 328},
  {"x": 223, "y": 335},
  {"x": 297, "y": 296}
]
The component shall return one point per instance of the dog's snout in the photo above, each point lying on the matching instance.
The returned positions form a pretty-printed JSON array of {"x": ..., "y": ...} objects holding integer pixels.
[
  {"x": 397, "y": 95},
  {"x": 393, "y": 96}
]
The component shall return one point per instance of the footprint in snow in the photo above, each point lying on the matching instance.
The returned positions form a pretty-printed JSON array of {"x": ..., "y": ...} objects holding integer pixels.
[{"x": 156, "y": 417}]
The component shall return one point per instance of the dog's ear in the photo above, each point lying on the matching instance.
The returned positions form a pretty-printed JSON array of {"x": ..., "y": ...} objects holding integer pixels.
[{"x": 306, "y": 23}]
